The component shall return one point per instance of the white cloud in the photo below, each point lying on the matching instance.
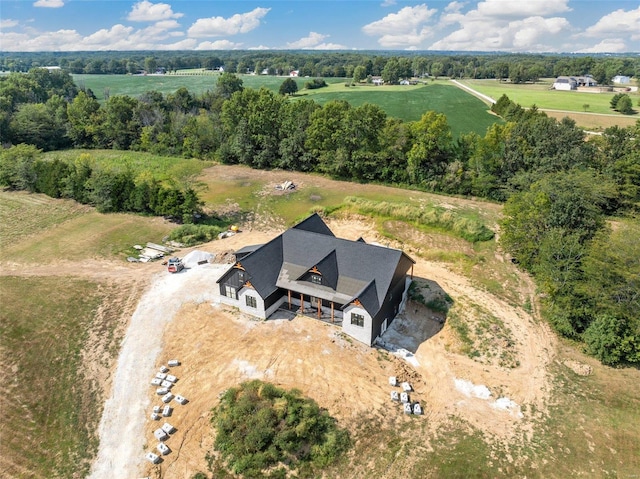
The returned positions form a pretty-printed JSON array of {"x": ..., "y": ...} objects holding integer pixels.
[
  {"x": 220, "y": 26},
  {"x": 310, "y": 41},
  {"x": 610, "y": 45},
  {"x": 49, "y": 3},
  {"x": 329, "y": 46},
  {"x": 528, "y": 8},
  {"x": 8, "y": 23},
  {"x": 532, "y": 34},
  {"x": 388, "y": 3},
  {"x": 404, "y": 29},
  {"x": 108, "y": 36},
  {"x": 616, "y": 23},
  {"x": 454, "y": 7},
  {"x": 219, "y": 45},
  {"x": 407, "y": 19},
  {"x": 506, "y": 25},
  {"x": 146, "y": 11}
]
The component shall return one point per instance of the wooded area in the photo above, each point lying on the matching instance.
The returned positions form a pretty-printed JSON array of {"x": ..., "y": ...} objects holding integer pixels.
[{"x": 571, "y": 201}]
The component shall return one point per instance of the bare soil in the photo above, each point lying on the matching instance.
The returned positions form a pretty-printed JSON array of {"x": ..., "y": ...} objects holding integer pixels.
[{"x": 177, "y": 317}]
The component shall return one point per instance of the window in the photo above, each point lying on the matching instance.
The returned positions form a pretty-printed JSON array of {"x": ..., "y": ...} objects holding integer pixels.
[
  {"x": 316, "y": 279},
  {"x": 241, "y": 276},
  {"x": 357, "y": 319},
  {"x": 230, "y": 291},
  {"x": 251, "y": 301}
]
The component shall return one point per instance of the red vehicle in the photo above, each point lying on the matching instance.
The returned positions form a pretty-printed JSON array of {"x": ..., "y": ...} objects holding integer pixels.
[{"x": 175, "y": 265}]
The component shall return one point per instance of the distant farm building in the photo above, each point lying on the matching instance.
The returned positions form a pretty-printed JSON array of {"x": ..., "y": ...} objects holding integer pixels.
[
  {"x": 572, "y": 83},
  {"x": 621, "y": 80},
  {"x": 308, "y": 270}
]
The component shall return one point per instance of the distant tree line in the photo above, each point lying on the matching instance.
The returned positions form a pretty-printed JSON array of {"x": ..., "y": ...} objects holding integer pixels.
[
  {"x": 559, "y": 186},
  {"x": 392, "y": 66}
]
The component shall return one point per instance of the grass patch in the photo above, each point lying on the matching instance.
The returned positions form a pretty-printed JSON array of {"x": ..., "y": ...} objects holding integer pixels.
[
  {"x": 143, "y": 165},
  {"x": 47, "y": 422},
  {"x": 425, "y": 216},
  {"x": 46, "y": 230},
  {"x": 483, "y": 337},
  {"x": 29, "y": 214}
]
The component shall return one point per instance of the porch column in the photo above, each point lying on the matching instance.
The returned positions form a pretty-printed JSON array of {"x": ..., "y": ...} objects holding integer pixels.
[
  {"x": 332, "y": 318},
  {"x": 411, "y": 271},
  {"x": 301, "y": 303},
  {"x": 319, "y": 308},
  {"x": 289, "y": 295}
]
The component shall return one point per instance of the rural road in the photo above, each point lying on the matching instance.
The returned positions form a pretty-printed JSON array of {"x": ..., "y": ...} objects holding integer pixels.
[{"x": 121, "y": 429}]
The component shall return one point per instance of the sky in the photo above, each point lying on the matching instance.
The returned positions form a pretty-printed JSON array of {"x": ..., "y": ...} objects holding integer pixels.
[{"x": 529, "y": 26}]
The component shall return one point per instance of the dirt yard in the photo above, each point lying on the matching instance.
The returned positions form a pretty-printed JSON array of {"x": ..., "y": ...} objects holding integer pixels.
[{"x": 178, "y": 318}]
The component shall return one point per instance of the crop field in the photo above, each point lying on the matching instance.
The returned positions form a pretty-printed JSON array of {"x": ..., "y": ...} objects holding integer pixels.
[
  {"x": 136, "y": 85},
  {"x": 465, "y": 113}
]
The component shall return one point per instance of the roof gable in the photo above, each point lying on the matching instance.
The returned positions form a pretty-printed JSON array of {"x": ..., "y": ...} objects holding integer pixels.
[{"x": 314, "y": 224}]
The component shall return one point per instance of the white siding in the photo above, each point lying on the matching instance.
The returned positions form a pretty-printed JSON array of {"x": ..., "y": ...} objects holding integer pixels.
[
  {"x": 361, "y": 333},
  {"x": 258, "y": 311}
]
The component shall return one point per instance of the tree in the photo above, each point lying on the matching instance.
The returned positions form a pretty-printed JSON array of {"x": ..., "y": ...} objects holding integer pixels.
[
  {"x": 38, "y": 125},
  {"x": 288, "y": 87},
  {"x": 359, "y": 74},
  {"x": 624, "y": 105},
  {"x": 17, "y": 167},
  {"x": 82, "y": 114},
  {"x": 120, "y": 128},
  {"x": 431, "y": 149},
  {"x": 570, "y": 201},
  {"x": 228, "y": 84}
]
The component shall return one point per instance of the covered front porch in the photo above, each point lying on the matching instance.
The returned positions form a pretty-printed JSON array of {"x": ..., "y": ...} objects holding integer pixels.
[{"x": 313, "y": 307}]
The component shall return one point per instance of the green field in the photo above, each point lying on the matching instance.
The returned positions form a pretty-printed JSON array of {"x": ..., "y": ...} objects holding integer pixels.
[
  {"x": 542, "y": 96},
  {"x": 136, "y": 85},
  {"x": 465, "y": 113}
]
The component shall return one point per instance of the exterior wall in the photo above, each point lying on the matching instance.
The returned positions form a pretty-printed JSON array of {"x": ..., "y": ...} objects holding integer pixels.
[
  {"x": 563, "y": 86},
  {"x": 259, "y": 310},
  {"x": 362, "y": 334}
]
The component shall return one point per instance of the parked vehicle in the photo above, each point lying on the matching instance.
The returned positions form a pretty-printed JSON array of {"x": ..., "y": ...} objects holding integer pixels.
[{"x": 175, "y": 265}]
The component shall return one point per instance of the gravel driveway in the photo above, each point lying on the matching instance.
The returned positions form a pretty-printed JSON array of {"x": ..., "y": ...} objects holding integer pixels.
[{"x": 121, "y": 430}]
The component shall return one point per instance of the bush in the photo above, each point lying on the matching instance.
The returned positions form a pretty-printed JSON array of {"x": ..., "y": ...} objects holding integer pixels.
[
  {"x": 192, "y": 234},
  {"x": 260, "y": 426}
]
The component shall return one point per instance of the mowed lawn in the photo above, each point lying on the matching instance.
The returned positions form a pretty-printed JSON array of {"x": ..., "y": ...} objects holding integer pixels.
[{"x": 543, "y": 96}]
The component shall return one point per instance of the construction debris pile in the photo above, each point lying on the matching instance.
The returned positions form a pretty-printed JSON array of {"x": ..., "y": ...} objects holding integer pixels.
[
  {"x": 408, "y": 406},
  {"x": 150, "y": 252},
  {"x": 164, "y": 383}
]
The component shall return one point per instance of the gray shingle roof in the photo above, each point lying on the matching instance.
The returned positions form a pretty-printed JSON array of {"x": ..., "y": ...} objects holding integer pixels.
[{"x": 350, "y": 269}]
